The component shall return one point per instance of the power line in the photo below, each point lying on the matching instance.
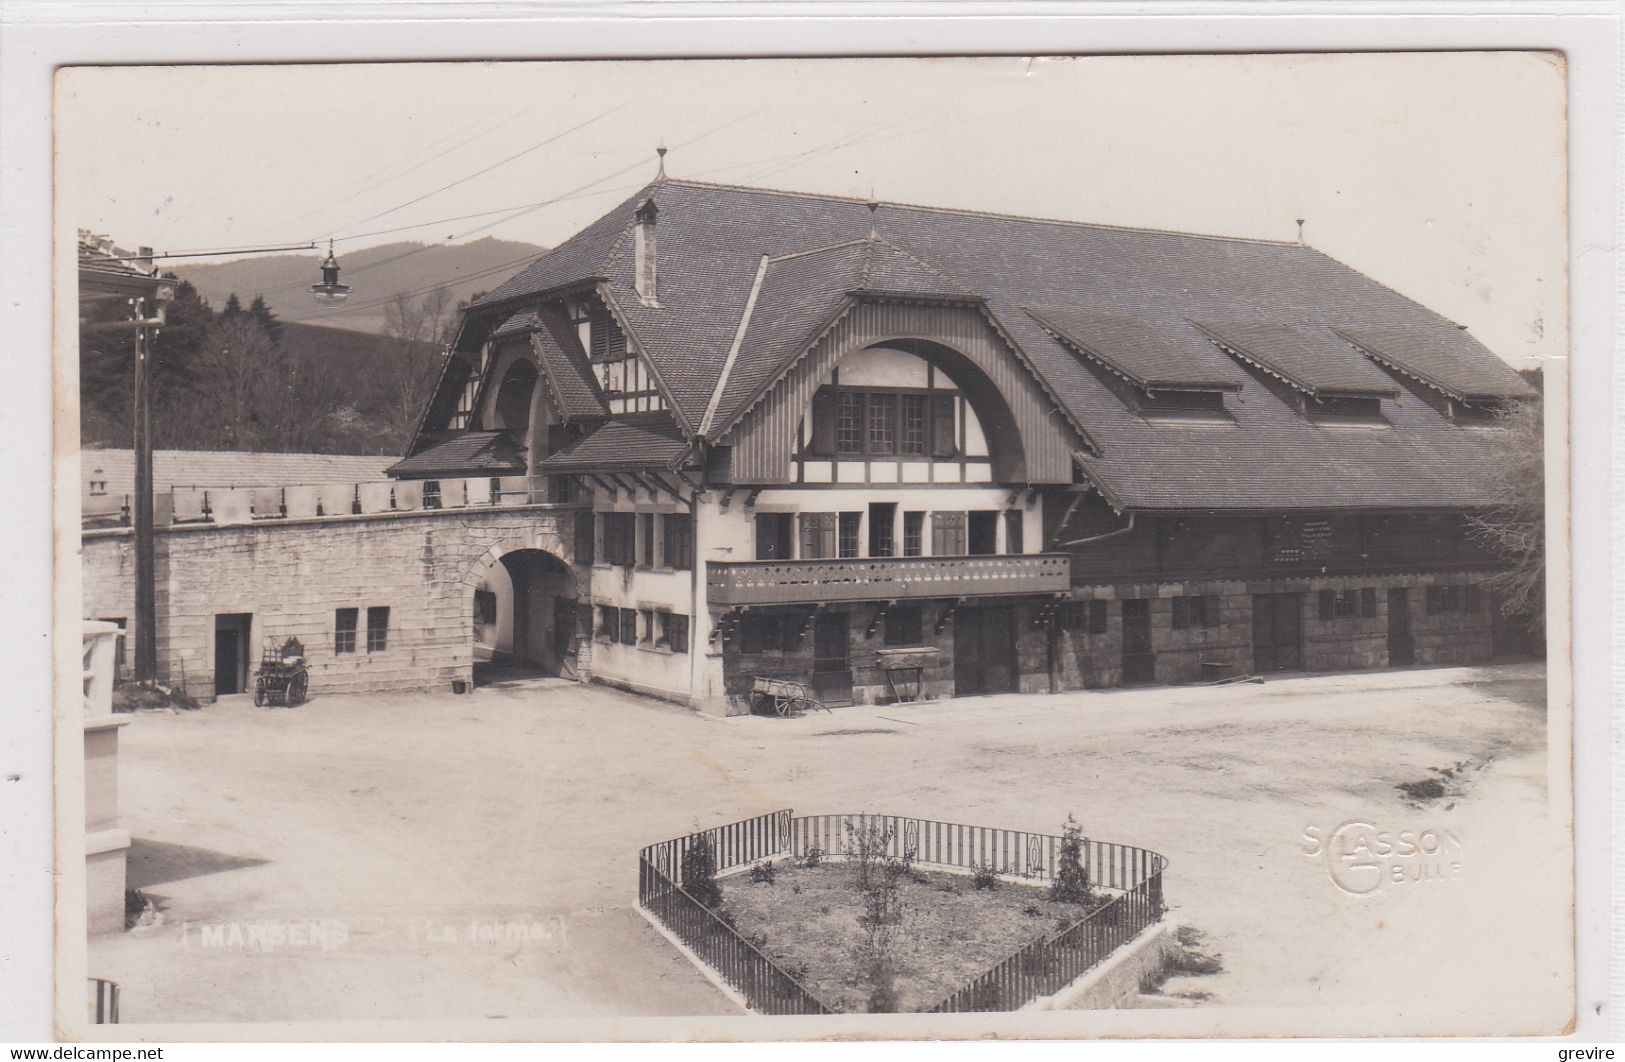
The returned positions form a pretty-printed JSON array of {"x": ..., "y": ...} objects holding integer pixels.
[
  {"x": 845, "y": 140},
  {"x": 327, "y": 200},
  {"x": 481, "y": 172}
]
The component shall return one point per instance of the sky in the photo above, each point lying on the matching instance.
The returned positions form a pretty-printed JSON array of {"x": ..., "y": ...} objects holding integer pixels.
[{"x": 1441, "y": 175}]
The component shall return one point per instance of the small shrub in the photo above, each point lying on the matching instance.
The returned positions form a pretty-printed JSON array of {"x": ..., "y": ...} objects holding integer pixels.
[
  {"x": 823, "y": 909},
  {"x": 699, "y": 872},
  {"x": 812, "y": 857},
  {"x": 983, "y": 876},
  {"x": 1071, "y": 883},
  {"x": 796, "y": 889},
  {"x": 764, "y": 873},
  {"x": 1032, "y": 911}
]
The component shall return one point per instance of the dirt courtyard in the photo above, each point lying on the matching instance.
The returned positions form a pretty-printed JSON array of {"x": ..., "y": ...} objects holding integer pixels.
[{"x": 428, "y": 856}]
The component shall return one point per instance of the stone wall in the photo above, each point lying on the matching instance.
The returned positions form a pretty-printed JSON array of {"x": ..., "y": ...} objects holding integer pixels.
[
  {"x": 291, "y": 576},
  {"x": 1348, "y": 643}
]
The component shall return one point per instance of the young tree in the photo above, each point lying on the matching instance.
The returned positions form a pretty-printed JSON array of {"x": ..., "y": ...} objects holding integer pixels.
[
  {"x": 699, "y": 871},
  {"x": 1071, "y": 883},
  {"x": 233, "y": 306},
  {"x": 418, "y": 330},
  {"x": 1514, "y": 528}
]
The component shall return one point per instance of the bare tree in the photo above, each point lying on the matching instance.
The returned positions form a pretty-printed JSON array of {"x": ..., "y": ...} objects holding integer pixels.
[
  {"x": 418, "y": 331},
  {"x": 1515, "y": 527}
]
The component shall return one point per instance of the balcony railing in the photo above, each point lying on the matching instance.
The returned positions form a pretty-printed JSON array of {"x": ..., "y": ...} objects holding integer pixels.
[{"x": 884, "y": 578}]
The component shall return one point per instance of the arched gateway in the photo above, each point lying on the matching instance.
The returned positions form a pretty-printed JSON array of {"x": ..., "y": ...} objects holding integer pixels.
[{"x": 523, "y": 600}]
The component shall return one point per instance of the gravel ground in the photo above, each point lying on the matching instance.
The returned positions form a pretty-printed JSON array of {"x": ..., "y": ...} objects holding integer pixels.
[{"x": 428, "y": 856}]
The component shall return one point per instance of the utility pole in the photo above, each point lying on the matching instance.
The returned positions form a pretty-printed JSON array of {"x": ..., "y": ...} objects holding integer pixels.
[{"x": 146, "y": 591}]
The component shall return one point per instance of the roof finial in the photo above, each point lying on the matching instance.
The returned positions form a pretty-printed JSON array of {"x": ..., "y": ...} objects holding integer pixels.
[
  {"x": 1300, "y": 232},
  {"x": 660, "y": 149},
  {"x": 874, "y": 205}
]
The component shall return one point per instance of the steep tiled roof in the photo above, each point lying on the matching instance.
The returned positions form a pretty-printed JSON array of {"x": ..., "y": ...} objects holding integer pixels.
[
  {"x": 1455, "y": 368},
  {"x": 711, "y": 240},
  {"x": 621, "y": 444},
  {"x": 568, "y": 373},
  {"x": 227, "y": 468},
  {"x": 1137, "y": 352},
  {"x": 469, "y": 453}
]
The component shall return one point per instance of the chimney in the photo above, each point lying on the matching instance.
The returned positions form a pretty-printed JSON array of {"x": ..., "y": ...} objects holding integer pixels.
[{"x": 645, "y": 260}]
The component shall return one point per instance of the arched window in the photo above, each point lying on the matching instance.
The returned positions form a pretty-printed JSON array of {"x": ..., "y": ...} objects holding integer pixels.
[{"x": 514, "y": 397}]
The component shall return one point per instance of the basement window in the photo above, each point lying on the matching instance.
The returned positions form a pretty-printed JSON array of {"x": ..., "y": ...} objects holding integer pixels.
[{"x": 905, "y": 625}]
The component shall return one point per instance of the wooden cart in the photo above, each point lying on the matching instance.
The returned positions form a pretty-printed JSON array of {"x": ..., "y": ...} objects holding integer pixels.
[{"x": 783, "y": 697}]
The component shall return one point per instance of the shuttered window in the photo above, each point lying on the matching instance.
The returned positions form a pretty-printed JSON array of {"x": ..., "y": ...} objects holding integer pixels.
[
  {"x": 947, "y": 534},
  {"x": 679, "y": 528},
  {"x": 620, "y": 538},
  {"x": 817, "y": 535}
]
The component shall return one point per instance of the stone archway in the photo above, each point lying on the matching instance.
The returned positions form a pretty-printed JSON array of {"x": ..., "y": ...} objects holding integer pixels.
[{"x": 522, "y": 598}]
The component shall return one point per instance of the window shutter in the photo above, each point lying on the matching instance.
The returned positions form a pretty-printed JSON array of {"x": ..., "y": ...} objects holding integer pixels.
[
  {"x": 1435, "y": 598},
  {"x": 823, "y": 427},
  {"x": 943, "y": 443},
  {"x": 1182, "y": 613},
  {"x": 1328, "y": 604},
  {"x": 1474, "y": 599},
  {"x": 1097, "y": 617},
  {"x": 1014, "y": 527},
  {"x": 816, "y": 536},
  {"x": 1368, "y": 602},
  {"x": 1210, "y": 610}
]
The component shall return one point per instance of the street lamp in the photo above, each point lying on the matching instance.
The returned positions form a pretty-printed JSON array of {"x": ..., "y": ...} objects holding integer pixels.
[{"x": 330, "y": 291}]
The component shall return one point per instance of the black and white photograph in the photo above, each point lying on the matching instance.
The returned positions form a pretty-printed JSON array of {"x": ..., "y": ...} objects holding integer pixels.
[{"x": 796, "y": 548}]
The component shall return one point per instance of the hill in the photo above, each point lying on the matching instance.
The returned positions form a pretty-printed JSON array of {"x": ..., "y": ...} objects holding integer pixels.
[{"x": 376, "y": 274}]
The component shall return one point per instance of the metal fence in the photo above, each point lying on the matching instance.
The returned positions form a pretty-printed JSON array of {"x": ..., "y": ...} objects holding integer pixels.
[
  {"x": 766, "y": 986},
  {"x": 1040, "y": 968}
]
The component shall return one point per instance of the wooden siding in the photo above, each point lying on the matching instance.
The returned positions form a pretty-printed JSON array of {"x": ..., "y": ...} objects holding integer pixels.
[{"x": 762, "y": 442}]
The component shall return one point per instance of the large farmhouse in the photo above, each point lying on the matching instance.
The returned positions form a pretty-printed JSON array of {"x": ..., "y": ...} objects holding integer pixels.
[
  {"x": 817, "y": 437},
  {"x": 724, "y": 433}
]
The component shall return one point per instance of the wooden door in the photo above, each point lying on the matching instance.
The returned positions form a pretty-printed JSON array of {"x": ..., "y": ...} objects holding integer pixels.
[
  {"x": 1401, "y": 645},
  {"x": 1139, "y": 662},
  {"x": 984, "y": 651},
  {"x": 1277, "y": 632},
  {"x": 832, "y": 664}
]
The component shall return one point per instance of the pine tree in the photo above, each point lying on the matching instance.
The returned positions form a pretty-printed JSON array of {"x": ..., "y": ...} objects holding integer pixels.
[
  {"x": 233, "y": 307},
  {"x": 700, "y": 871},
  {"x": 1071, "y": 880},
  {"x": 259, "y": 311},
  {"x": 106, "y": 370}
]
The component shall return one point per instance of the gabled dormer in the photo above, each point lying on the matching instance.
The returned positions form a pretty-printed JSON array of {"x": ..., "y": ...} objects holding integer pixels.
[
  {"x": 1307, "y": 367},
  {"x": 1442, "y": 368},
  {"x": 1147, "y": 370}
]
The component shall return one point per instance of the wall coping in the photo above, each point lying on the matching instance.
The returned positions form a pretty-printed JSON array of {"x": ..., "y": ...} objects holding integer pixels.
[
  {"x": 342, "y": 518},
  {"x": 105, "y": 722}
]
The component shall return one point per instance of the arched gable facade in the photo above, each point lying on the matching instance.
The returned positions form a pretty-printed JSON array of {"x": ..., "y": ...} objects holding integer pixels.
[{"x": 1027, "y": 444}]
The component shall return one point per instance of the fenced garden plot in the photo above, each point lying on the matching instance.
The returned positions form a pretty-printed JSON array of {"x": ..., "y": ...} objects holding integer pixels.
[{"x": 978, "y": 930}]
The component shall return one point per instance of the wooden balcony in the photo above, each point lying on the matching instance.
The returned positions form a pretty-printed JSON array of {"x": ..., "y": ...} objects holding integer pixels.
[{"x": 730, "y": 583}]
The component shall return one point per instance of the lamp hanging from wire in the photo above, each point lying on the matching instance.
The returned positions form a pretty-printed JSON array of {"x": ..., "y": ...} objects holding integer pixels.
[{"x": 330, "y": 291}]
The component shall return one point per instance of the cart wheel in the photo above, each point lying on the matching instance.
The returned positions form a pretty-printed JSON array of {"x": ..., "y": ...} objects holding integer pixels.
[
  {"x": 297, "y": 688},
  {"x": 259, "y": 695}
]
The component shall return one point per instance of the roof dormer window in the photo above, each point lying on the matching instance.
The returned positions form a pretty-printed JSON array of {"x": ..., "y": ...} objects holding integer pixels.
[{"x": 1151, "y": 373}]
